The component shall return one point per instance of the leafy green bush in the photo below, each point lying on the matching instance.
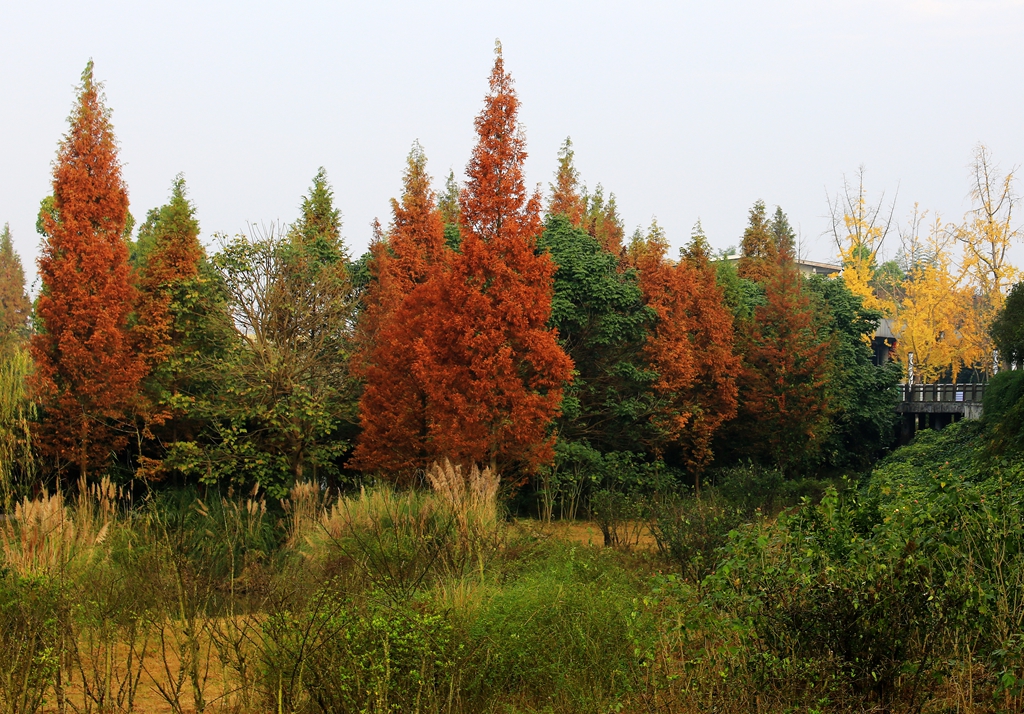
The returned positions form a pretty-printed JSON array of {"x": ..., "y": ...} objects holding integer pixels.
[
  {"x": 967, "y": 518},
  {"x": 692, "y": 531},
  {"x": 625, "y": 486},
  {"x": 1003, "y": 411},
  {"x": 344, "y": 656},
  {"x": 30, "y": 628},
  {"x": 752, "y": 487},
  {"x": 834, "y": 602},
  {"x": 566, "y": 634}
]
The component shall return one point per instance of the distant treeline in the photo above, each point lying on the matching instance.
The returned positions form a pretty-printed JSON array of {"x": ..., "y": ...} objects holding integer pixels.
[{"x": 483, "y": 325}]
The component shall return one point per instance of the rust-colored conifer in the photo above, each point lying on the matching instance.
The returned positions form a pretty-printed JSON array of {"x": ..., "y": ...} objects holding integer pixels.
[
  {"x": 565, "y": 192},
  {"x": 714, "y": 390},
  {"x": 690, "y": 346},
  {"x": 87, "y": 372},
  {"x": 783, "y": 382},
  {"x": 491, "y": 368},
  {"x": 393, "y": 407}
]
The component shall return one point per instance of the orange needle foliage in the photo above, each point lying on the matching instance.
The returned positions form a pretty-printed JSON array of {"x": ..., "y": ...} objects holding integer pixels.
[
  {"x": 691, "y": 346},
  {"x": 783, "y": 383},
  {"x": 565, "y": 192},
  {"x": 392, "y": 409},
  {"x": 492, "y": 370},
  {"x": 758, "y": 252},
  {"x": 87, "y": 372},
  {"x": 172, "y": 255}
]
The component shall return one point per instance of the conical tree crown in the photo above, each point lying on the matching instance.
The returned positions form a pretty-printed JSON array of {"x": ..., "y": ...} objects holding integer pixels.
[
  {"x": 782, "y": 232},
  {"x": 565, "y": 191},
  {"x": 89, "y": 196},
  {"x": 168, "y": 252},
  {"x": 417, "y": 232},
  {"x": 319, "y": 226},
  {"x": 14, "y": 303},
  {"x": 87, "y": 372},
  {"x": 698, "y": 250},
  {"x": 168, "y": 247},
  {"x": 448, "y": 201},
  {"x": 494, "y": 206},
  {"x": 758, "y": 251},
  {"x": 602, "y": 220}
]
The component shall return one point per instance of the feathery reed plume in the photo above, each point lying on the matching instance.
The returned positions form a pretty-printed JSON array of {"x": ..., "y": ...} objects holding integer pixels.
[
  {"x": 44, "y": 534},
  {"x": 361, "y": 512},
  {"x": 472, "y": 499},
  {"x": 305, "y": 508}
]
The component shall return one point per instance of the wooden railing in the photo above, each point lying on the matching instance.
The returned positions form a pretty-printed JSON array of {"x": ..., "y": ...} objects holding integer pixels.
[{"x": 971, "y": 393}]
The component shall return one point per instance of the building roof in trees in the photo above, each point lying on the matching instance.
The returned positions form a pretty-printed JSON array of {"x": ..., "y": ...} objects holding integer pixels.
[{"x": 807, "y": 267}]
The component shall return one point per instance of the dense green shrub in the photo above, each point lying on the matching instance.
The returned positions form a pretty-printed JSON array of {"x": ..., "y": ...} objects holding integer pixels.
[
  {"x": 833, "y": 604},
  {"x": 1003, "y": 411},
  {"x": 565, "y": 634},
  {"x": 347, "y": 656},
  {"x": 30, "y": 629},
  {"x": 691, "y": 531},
  {"x": 752, "y": 487}
]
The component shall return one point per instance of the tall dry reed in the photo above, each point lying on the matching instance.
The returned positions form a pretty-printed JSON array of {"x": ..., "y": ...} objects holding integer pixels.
[
  {"x": 44, "y": 534},
  {"x": 471, "y": 498}
]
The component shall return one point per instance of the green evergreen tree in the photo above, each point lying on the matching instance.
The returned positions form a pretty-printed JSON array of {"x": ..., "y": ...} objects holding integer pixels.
[
  {"x": 448, "y": 204},
  {"x": 602, "y": 324},
  {"x": 1008, "y": 327},
  {"x": 14, "y": 303},
  {"x": 182, "y": 325},
  {"x": 758, "y": 251},
  {"x": 782, "y": 233},
  {"x": 862, "y": 397},
  {"x": 318, "y": 228}
]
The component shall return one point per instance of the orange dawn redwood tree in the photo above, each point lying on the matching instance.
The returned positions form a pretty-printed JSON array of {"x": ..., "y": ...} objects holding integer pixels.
[
  {"x": 565, "y": 192},
  {"x": 392, "y": 408},
  {"x": 87, "y": 373},
  {"x": 784, "y": 414},
  {"x": 492, "y": 369},
  {"x": 169, "y": 253},
  {"x": 690, "y": 346},
  {"x": 714, "y": 391}
]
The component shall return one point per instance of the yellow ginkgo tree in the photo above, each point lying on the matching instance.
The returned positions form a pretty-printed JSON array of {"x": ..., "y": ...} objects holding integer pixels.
[
  {"x": 945, "y": 306},
  {"x": 859, "y": 230},
  {"x": 985, "y": 236},
  {"x": 929, "y": 316}
]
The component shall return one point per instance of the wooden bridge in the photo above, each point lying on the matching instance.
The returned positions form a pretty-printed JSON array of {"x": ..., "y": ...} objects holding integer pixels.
[{"x": 933, "y": 406}]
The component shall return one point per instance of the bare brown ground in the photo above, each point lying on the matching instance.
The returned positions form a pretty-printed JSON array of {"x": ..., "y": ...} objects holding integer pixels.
[
  {"x": 219, "y": 691},
  {"x": 587, "y": 533}
]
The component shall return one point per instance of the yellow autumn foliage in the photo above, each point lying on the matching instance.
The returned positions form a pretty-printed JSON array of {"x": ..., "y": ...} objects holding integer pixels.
[
  {"x": 948, "y": 301},
  {"x": 929, "y": 317},
  {"x": 859, "y": 237}
]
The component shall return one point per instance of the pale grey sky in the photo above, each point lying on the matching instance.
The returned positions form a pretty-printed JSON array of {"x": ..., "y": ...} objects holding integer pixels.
[{"x": 682, "y": 109}]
